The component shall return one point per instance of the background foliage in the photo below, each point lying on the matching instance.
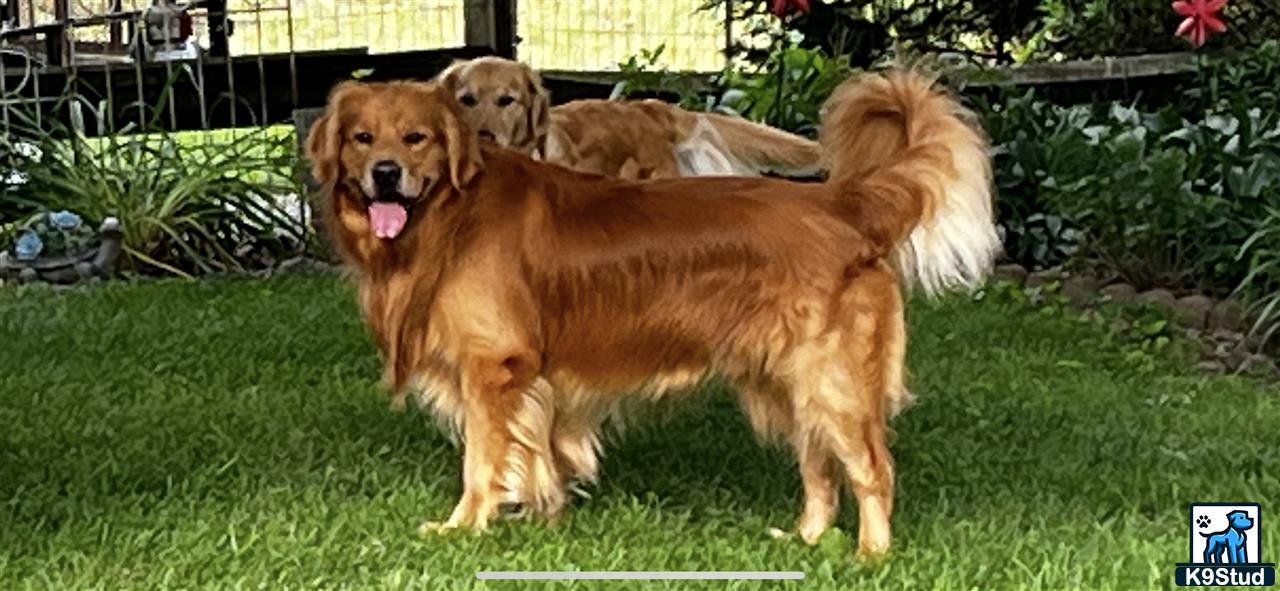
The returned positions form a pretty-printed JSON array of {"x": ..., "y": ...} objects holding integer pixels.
[
  {"x": 1001, "y": 32},
  {"x": 1184, "y": 196},
  {"x": 189, "y": 203}
]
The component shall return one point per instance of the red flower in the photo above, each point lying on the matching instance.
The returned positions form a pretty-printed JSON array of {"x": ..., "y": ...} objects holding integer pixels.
[
  {"x": 781, "y": 8},
  {"x": 1201, "y": 19}
]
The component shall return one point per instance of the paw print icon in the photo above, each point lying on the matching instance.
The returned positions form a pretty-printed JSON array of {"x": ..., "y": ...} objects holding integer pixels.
[{"x": 1202, "y": 521}]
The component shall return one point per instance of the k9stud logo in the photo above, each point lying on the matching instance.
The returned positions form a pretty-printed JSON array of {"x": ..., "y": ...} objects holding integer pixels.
[{"x": 1225, "y": 545}]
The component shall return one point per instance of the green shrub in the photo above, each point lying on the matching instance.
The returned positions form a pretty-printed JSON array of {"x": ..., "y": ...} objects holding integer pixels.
[
  {"x": 1239, "y": 78},
  {"x": 1153, "y": 197},
  {"x": 645, "y": 74},
  {"x": 1039, "y": 152},
  {"x": 188, "y": 204},
  {"x": 810, "y": 77},
  {"x": 1262, "y": 285},
  {"x": 1089, "y": 28}
]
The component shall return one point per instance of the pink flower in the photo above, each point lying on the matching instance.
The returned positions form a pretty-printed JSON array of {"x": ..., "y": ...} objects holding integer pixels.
[
  {"x": 1201, "y": 19},
  {"x": 781, "y": 8}
]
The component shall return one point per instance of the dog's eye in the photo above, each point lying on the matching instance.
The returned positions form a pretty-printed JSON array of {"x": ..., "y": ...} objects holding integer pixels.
[
  {"x": 414, "y": 138},
  {"x": 364, "y": 137},
  {"x": 505, "y": 100},
  {"x": 468, "y": 100}
]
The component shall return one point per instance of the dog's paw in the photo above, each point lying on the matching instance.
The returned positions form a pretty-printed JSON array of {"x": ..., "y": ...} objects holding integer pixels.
[
  {"x": 473, "y": 513},
  {"x": 872, "y": 556},
  {"x": 398, "y": 403},
  {"x": 778, "y": 534},
  {"x": 811, "y": 531},
  {"x": 443, "y": 528},
  {"x": 432, "y": 528},
  {"x": 872, "y": 553}
]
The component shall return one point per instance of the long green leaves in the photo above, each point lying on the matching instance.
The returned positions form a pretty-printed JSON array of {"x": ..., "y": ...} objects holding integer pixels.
[
  {"x": 189, "y": 202},
  {"x": 1262, "y": 252}
]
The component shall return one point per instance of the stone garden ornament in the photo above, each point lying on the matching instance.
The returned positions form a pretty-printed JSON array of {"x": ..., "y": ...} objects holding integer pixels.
[{"x": 58, "y": 247}]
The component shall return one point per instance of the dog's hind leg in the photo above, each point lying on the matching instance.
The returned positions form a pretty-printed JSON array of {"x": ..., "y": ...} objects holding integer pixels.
[
  {"x": 850, "y": 372},
  {"x": 819, "y": 473},
  {"x": 768, "y": 405},
  {"x": 838, "y": 434},
  {"x": 869, "y": 467},
  {"x": 844, "y": 437}
]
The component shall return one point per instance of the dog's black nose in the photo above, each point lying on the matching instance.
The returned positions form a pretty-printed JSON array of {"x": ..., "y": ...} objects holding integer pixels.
[
  {"x": 487, "y": 135},
  {"x": 386, "y": 176}
]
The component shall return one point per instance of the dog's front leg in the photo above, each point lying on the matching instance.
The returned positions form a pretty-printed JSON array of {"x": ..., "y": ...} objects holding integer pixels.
[{"x": 491, "y": 390}]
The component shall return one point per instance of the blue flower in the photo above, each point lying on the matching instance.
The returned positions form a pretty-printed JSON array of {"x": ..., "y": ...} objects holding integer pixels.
[
  {"x": 65, "y": 220},
  {"x": 28, "y": 246}
]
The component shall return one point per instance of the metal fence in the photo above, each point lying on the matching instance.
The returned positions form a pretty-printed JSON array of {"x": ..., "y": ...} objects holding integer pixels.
[
  {"x": 281, "y": 26},
  {"x": 559, "y": 34},
  {"x": 244, "y": 56},
  {"x": 597, "y": 34}
]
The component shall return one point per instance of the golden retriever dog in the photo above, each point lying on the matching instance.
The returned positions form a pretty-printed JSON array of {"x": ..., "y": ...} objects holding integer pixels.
[
  {"x": 524, "y": 301},
  {"x": 505, "y": 102}
]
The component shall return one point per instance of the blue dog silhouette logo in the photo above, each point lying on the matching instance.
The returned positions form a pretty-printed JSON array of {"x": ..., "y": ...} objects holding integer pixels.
[
  {"x": 1231, "y": 545},
  {"x": 1225, "y": 546}
]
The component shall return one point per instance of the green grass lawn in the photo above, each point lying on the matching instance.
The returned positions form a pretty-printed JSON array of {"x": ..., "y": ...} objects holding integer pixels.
[{"x": 230, "y": 434}]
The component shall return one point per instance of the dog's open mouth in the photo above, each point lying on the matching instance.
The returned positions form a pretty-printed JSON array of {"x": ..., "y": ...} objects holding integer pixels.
[{"x": 388, "y": 216}]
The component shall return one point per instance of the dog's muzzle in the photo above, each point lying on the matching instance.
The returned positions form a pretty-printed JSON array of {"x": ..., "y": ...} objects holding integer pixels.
[{"x": 386, "y": 179}]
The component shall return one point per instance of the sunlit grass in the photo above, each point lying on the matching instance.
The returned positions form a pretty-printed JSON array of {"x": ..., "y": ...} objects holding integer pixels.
[{"x": 232, "y": 434}]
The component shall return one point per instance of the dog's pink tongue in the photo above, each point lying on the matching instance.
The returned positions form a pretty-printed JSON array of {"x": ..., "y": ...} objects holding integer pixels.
[{"x": 387, "y": 218}]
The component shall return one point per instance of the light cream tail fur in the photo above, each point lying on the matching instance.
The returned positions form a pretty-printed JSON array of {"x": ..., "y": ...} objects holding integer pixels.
[
  {"x": 917, "y": 169},
  {"x": 715, "y": 144}
]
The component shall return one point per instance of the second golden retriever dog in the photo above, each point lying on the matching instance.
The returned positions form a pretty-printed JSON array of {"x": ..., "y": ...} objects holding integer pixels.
[
  {"x": 504, "y": 102},
  {"x": 524, "y": 301}
]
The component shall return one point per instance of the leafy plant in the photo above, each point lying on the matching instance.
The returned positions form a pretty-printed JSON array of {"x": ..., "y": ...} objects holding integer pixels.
[
  {"x": 863, "y": 31},
  {"x": 1039, "y": 152},
  {"x": 1089, "y": 28},
  {"x": 1262, "y": 284},
  {"x": 645, "y": 74},
  {"x": 811, "y": 76},
  {"x": 187, "y": 204},
  {"x": 1154, "y": 197},
  {"x": 1238, "y": 78}
]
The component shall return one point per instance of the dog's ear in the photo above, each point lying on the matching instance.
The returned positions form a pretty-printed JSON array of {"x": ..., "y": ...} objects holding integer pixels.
[
  {"x": 324, "y": 141},
  {"x": 463, "y": 147},
  {"x": 448, "y": 78},
  {"x": 540, "y": 106}
]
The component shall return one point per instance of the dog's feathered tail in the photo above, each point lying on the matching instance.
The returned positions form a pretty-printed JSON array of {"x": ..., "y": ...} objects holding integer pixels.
[
  {"x": 917, "y": 173},
  {"x": 760, "y": 148}
]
